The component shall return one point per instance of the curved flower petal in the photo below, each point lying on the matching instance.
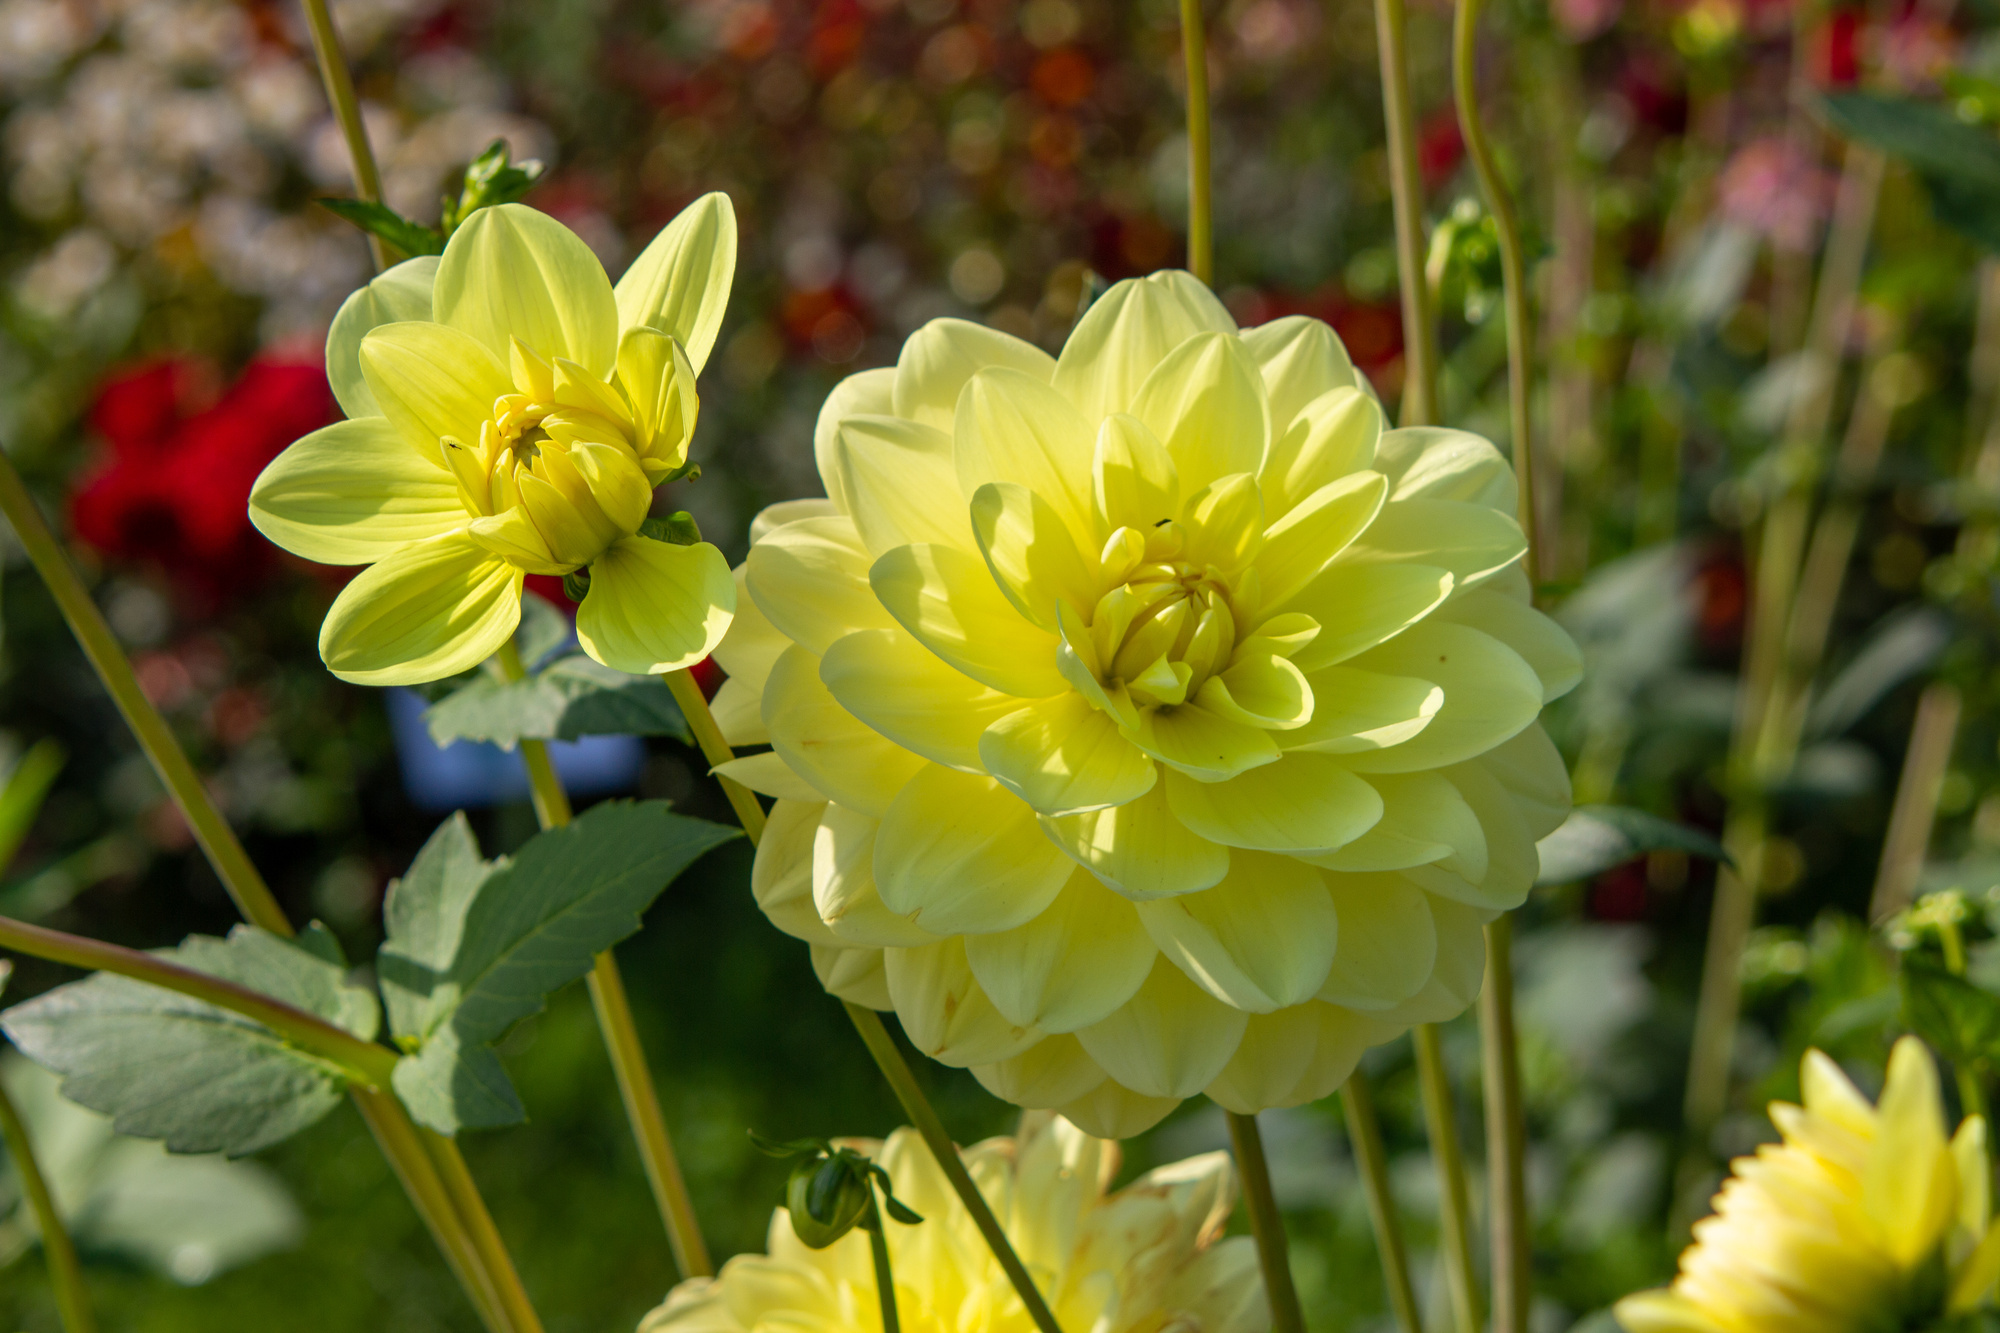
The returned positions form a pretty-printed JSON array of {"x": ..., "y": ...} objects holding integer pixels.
[
  {"x": 1294, "y": 1056},
  {"x": 1530, "y": 767},
  {"x": 810, "y": 579},
  {"x": 897, "y": 686},
  {"x": 1356, "y": 711},
  {"x": 1169, "y": 1040},
  {"x": 1205, "y": 402},
  {"x": 1388, "y": 941},
  {"x": 1489, "y": 695},
  {"x": 1471, "y": 541},
  {"x": 772, "y": 517},
  {"x": 432, "y": 381},
  {"x": 431, "y": 610},
  {"x": 659, "y": 380},
  {"x": 827, "y": 745},
  {"x": 1261, "y": 690},
  {"x": 938, "y": 359},
  {"x": 1013, "y": 428},
  {"x": 960, "y": 853},
  {"x": 1508, "y": 869},
  {"x": 1910, "y": 1186},
  {"x": 401, "y": 293},
  {"x": 353, "y": 493},
  {"x": 1201, "y": 742},
  {"x": 1541, "y": 642},
  {"x": 1126, "y": 333},
  {"x": 512, "y": 272},
  {"x": 1424, "y": 819},
  {"x": 1034, "y": 559},
  {"x": 902, "y": 485},
  {"x": 1140, "y": 848},
  {"x": 1133, "y": 480},
  {"x": 781, "y": 878},
  {"x": 1317, "y": 529},
  {"x": 868, "y": 393},
  {"x": 1300, "y": 358},
  {"x": 1063, "y": 757},
  {"x": 843, "y": 883},
  {"x": 858, "y": 976},
  {"x": 1359, "y": 606},
  {"x": 1333, "y": 436},
  {"x": 1664, "y": 1312},
  {"x": 769, "y": 775},
  {"x": 945, "y": 1013},
  {"x": 655, "y": 606},
  {"x": 1053, "y": 1071},
  {"x": 1260, "y": 940},
  {"x": 947, "y": 599},
  {"x": 1069, "y": 967},
  {"x": 1435, "y": 463},
  {"x": 680, "y": 282},
  {"x": 1304, "y": 802}
]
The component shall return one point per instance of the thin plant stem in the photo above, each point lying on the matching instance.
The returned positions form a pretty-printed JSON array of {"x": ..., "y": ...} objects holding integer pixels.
[
  {"x": 1406, "y": 192},
  {"x": 1364, "y": 1134},
  {"x": 339, "y": 83},
  {"x": 1267, "y": 1225},
  {"x": 1914, "y": 813},
  {"x": 715, "y": 748},
  {"x": 486, "y": 1241},
  {"x": 621, "y": 1036},
  {"x": 1506, "y": 1135},
  {"x": 65, "y": 1271},
  {"x": 361, "y": 1061},
  {"x": 903, "y": 1082},
  {"x": 1454, "y": 1205},
  {"x": 885, "y": 1276},
  {"x": 1201, "y": 215}
]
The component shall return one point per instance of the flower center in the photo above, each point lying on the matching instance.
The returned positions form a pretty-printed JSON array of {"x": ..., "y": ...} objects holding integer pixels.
[{"x": 1168, "y": 624}]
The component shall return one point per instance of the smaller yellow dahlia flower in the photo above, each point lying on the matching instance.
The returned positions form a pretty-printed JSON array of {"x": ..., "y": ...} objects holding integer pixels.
[
  {"x": 1146, "y": 1258},
  {"x": 1863, "y": 1218},
  {"x": 509, "y": 412}
]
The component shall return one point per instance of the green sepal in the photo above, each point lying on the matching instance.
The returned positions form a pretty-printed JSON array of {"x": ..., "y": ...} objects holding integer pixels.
[
  {"x": 491, "y": 178},
  {"x": 678, "y": 527},
  {"x": 412, "y": 238}
]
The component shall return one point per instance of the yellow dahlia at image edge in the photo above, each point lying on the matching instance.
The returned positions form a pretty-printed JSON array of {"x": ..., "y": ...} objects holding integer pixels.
[{"x": 1148, "y": 720}]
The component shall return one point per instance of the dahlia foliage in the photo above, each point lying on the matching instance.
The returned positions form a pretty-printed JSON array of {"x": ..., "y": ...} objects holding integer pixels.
[
  {"x": 1147, "y": 1257},
  {"x": 1864, "y": 1217},
  {"x": 1149, "y": 720},
  {"x": 509, "y": 412}
]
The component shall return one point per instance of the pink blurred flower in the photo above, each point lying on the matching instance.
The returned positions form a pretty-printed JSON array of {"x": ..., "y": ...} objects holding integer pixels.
[{"x": 1776, "y": 190}]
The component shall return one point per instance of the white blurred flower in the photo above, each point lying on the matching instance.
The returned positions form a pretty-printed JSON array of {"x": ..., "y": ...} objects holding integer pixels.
[{"x": 68, "y": 275}]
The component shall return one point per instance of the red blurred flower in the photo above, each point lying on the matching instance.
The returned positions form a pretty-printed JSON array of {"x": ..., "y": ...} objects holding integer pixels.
[
  {"x": 176, "y": 487},
  {"x": 1440, "y": 146}
]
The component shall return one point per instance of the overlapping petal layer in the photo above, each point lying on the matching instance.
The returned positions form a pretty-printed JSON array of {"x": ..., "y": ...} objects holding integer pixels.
[
  {"x": 1167, "y": 725},
  {"x": 1149, "y": 1257},
  {"x": 507, "y": 405}
]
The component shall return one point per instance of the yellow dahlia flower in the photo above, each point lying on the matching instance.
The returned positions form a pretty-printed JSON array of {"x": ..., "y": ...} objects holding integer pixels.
[
  {"x": 1145, "y": 721},
  {"x": 1863, "y": 1218},
  {"x": 1144, "y": 1259},
  {"x": 509, "y": 412}
]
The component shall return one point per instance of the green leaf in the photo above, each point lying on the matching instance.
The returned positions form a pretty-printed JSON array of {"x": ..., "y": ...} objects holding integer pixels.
[
  {"x": 490, "y": 179},
  {"x": 544, "y": 628},
  {"x": 21, "y": 799},
  {"x": 1597, "y": 837},
  {"x": 475, "y": 946},
  {"x": 678, "y": 528},
  {"x": 411, "y": 238},
  {"x": 572, "y": 697},
  {"x": 1959, "y": 1020},
  {"x": 1959, "y": 162},
  {"x": 167, "y": 1066}
]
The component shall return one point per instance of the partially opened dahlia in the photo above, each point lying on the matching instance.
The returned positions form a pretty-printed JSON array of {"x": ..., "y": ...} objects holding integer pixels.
[
  {"x": 1146, "y": 1258},
  {"x": 1146, "y": 721}
]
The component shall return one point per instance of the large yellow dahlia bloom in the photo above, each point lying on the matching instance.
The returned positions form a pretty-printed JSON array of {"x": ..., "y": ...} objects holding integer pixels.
[
  {"x": 1145, "y": 721},
  {"x": 1864, "y": 1218},
  {"x": 509, "y": 412},
  {"x": 1144, "y": 1259}
]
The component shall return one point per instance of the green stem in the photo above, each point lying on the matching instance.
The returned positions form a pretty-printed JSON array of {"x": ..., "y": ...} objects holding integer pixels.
[
  {"x": 65, "y": 1271},
  {"x": 1506, "y": 1134},
  {"x": 1971, "y": 1094},
  {"x": 1454, "y": 1207},
  {"x": 1201, "y": 225},
  {"x": 708, "y": 736},
  {"x": 463, "y": 1193},
  {"x": 1266, "y": 1224},
  {"x": 362, "y": 1062},
  {"x": 211, "y": 831},
  {"x": 1513, "y": 267},
  {"x": 903, "y": 1082},
  {"x": 1406, "y": 193},
  {"x": 885, "y": 1277},
  {"x": 621, "y": 1037},
  {"x": 339, "y": 85},
  {"x": 1364, "y": 1133},
  {"x": 1913, "y": 815}
]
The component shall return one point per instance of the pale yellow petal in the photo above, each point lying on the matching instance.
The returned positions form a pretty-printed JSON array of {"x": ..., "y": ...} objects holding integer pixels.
[
  {"x": 513, "y": 536},
  {"x": 1490, "y": 694},
  {"x": 772, "y": 517},
  {"x": 781, "y": 878},
  {"x": 1169, "y": 1040},
  {"x": 1260, "y": 940},
  {"x": 855, "y": 975},
  {"x": 1433, "y": 463},
  {"x": 680, "y": 282},
  {"x": 768, "y": 774},
  {"x": 432, "y": 381},
  {"x": 1063, "y": 757},
  {"x": 1530, "y": 767},
  {"x": 901, "y": 689},
  {"x": 1133, "y": 479},
  {"x": 1501, "y": 879},
  {"x": 753, "y": 644},
  {"x": 656, "y": 376},
  {"x": 1201, "y": 743},
  {"x": 1662, "y": 1311},
  {"x": 948, "y": 600},
  {"x": 810, "y": 579},
  {"x": 1304, "y": 802},
  {"x": 1332, "y": 436},
  {"x": 1356, "y": 711},
  {"x": 1261, "y": 690},
  {"x": 1424, "y": 819},
  {"x": 1013, "y": 428},
  {"x": 1113, "y": 1111},
  {"x": 1471, "y": 541},
  {"x": 654, "y": 606},
  {"x": 841, "y": 756},
  {"x": 960, "y": 853},
  {"x": 1126, "y": 333},
  {"x": 400, "y": 293},
  {"x": 512, "y": 272},
  {"x": 938, "y": 359},
  {"x": 1205, "y": 401},
  {"x": 1544, "y": 645},
  {"x": 1357, "y": 607},
  {"x": 1388, "y": 941},
  {"x": 843, "y": 884},
  {"x": 1140, "y": 848},
  {"x": 1300, "y": 358},
  {"x": 431, "y": 610},
  {"x": 353, "y": 493},
  {"x": 1293, "y": 1056},
  {"x": 1069, "y": 967},
  {"x": 1828, "y": 1092},
  {"x": 868, "y": 393},
  {"x": 944, "y": 1012},
  {"x": 1911, "y": 1184},
  {"x": 1052, "y": 1072},
  {"x": 1299, "y": 546},
  {"x": 902, "y": 486},
  {"x": 1033, "y": 556}
]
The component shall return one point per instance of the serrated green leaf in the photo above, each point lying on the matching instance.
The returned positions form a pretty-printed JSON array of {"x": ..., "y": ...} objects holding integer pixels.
[
  {"x": 1597, "y": 837},
  {"x": 167, "y": 1066},
  {"x": 570, "y": 698},
  {"x": 1959, "y": 162},
  {"x": 475, "y": 946},
  {"x": 380, "y": 220},
  {"x": 1959, "y": 1020}
]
